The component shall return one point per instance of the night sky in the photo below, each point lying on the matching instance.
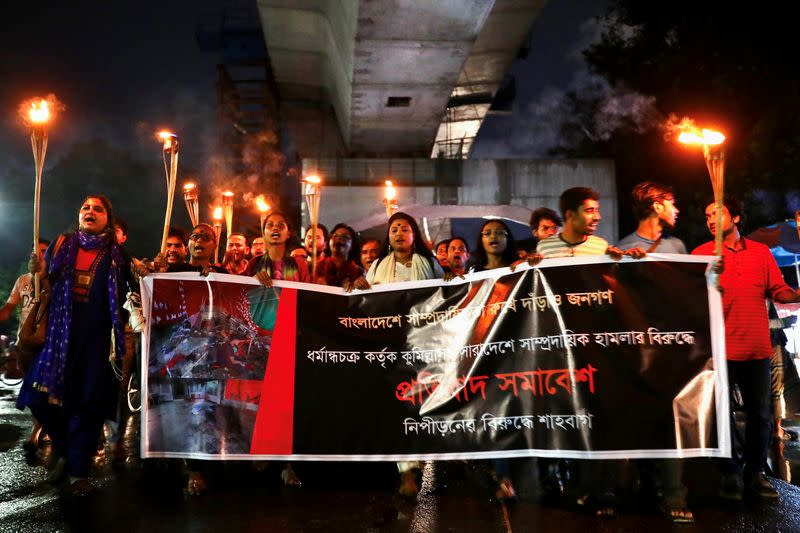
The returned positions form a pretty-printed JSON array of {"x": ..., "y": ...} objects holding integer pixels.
[
  {"x": 126, "y": 69},
  {"x": 122, "y": 68}
]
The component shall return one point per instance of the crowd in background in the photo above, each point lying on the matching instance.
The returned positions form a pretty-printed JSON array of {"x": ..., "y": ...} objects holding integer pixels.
[{"x": 71, "y": 389}]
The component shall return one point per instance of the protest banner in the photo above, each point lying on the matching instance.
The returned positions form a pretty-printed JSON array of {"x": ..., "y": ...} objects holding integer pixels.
[{"x": 582, "y": 358}]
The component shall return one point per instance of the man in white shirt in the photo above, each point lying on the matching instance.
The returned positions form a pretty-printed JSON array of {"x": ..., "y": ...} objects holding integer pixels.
[{"x": 22, "y": 293}]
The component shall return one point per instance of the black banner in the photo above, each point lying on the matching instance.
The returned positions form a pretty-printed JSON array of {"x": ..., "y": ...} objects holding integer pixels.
[{"x": 576, "y": 358}]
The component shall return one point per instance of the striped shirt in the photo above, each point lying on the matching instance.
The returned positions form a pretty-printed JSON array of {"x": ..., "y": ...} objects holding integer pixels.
[
  {"x": 555, "y": 246},
  {"x": 750, "y": 277}
]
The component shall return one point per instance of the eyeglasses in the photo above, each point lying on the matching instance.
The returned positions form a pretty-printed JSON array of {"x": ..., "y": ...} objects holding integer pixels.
[
  {"x": 200, "y": 237},
  {"x": 494, "y": 233}
]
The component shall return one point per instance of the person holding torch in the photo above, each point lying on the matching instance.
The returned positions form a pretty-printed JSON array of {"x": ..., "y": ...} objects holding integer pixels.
[
  {"x": 37, "y": 113},
  {"x": 71, "y": 388},
  {"x": 750, "y": 276}
]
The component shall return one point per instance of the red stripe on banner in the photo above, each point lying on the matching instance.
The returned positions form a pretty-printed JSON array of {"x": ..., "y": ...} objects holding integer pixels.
[{"x": 275, "y": 417}]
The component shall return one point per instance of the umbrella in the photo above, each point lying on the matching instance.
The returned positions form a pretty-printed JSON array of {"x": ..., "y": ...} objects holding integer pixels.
[{"x": 783, "y": 240}]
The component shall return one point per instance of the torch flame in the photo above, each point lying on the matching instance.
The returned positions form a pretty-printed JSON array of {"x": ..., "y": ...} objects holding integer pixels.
[
  {"x": 217, "y": 216},
  {"x": 390, "y": 192},
  {"x": 167, "y": 137},
  {"x": 227, "y": 198},
  {"x": 313, "y": 180},
  {"x": 704, "y": 136},
  {"x": 39, "y": 112},
  {"x": 262, "y": 204},
  {"x": 190, "y": 191}
]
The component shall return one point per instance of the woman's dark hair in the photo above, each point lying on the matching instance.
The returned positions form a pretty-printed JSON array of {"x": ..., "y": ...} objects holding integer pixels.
[
  {"x": 355, "y": 246},
  {"x": 419, "y": 246},
  {"x": 285, "y": 220},
  {"x": 111, "y": 220},
  {"x": 481, "y": 258},
  {"x": 264, "y": 261}
]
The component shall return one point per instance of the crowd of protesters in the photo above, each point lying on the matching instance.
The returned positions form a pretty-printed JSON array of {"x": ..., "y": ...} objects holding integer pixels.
[{"x": 71, "y": 389}]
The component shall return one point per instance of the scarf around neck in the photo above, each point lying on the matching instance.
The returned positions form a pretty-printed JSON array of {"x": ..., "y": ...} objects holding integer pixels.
[
  {"x": 48, "y": 374},
  {"x": 383, "y": 271}
]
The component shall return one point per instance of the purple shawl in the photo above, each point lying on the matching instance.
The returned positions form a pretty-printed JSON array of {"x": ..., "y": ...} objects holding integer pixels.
[{"x": 48, "y": 374}]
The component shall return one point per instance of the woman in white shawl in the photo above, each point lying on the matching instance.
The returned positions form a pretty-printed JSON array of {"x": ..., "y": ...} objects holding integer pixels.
[{"x": 404, "y": 257}]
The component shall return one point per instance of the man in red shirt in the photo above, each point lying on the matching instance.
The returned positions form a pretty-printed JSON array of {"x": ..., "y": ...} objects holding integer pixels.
[{"x": 749, "y": 278}]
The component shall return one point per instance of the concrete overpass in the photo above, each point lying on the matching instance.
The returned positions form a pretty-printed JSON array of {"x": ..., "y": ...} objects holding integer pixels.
[
  {"x": 436, "y": 192},
  {"x": 390, "y": 78},
  {"x": 398, "y": 89}
]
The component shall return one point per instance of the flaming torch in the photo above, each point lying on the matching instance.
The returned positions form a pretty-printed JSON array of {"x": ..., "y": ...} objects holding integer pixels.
[
  {"x": 312, "y": 188},
  {"x": 169, "y": 154},
  {"x": 263, "y": 211},
  {"x": 36, "y": 113},
  {"x": 217, "y": 216},
  {"x": 390, "y": 199},
  {"x": 227, "y": 210},
  {"x": 715, "y": 162},
  {"x": 190, "y": 197}
]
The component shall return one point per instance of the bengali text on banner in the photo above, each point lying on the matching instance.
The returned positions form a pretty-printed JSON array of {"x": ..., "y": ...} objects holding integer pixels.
[{"x": 582, "y": 358}]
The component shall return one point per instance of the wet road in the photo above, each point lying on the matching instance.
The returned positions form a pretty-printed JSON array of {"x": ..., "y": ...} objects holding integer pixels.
[{"x": 148, "y": 497}]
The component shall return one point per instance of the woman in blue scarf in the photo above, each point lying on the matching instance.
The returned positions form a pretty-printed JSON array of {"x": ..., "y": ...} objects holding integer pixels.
[{"x": 71, "y": 386}]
